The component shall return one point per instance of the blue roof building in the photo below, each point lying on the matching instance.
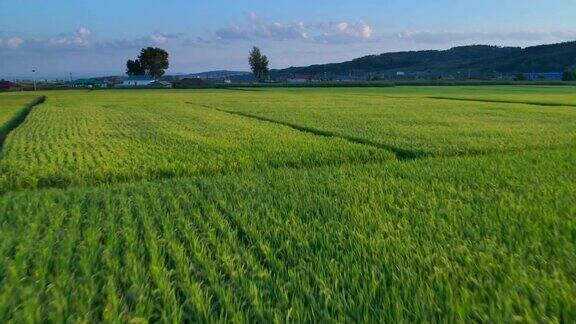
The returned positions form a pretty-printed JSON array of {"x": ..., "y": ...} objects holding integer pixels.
[
  {"x": 535, "y": 76},
  {"x": 137, "y": 81}
]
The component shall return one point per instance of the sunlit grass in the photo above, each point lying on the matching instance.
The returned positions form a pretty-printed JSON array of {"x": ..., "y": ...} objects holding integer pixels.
[
  {"x": 160, "y": 206},
  {"x": 461, "y": 239},
  {"x": 88, "y": 139}
]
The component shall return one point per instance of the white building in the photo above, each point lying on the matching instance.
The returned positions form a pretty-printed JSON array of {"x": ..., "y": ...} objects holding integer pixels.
[
  {"x": 161, "y": 84},
  {"x": 137, "y": 81}
]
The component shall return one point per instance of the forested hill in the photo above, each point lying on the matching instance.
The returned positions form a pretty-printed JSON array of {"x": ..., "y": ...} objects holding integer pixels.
[{"x": 475, "y": 58}]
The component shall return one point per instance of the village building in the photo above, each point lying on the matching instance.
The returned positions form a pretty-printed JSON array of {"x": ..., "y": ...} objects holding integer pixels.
[
  {"x": 161, "y": 84},
  {"x": 10, "y": 86},
  {"x": 551, "y": 76},
  {"x": 303, "y": 78},
  {"x": 192, "y": 82},
  {"x": 137, "y": 81}
]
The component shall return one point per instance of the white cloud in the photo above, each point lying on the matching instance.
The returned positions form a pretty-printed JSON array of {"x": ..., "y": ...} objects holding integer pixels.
[
  {"x": 191, "y": 41},
  {"x": 83, "y": 33},
  {"x": 158, "y": 39},
  {"x": 328, "y": 32},
  {"x": 258, "y": 28},
  {"x": 12, "y": 42},
  {"x": 155, "y": 39},
  {"x": 233, "y": 32},
  {"x": 344, "y": 32},
  {"x": 80, "y": 37}
]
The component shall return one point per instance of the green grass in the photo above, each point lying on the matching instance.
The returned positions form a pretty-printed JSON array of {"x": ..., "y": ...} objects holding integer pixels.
[
  {"x": 461, "y": 239},
  {"x": 414, "y": 125},
  {"x": 531, "y": 94},
  {"x": 11, "y": 103},
  {"x": 535, "y": 95},
  {"x": 11, "y": 106},
  {"x": 296, "y": 205},
  {"x": 107, "y": 137}
]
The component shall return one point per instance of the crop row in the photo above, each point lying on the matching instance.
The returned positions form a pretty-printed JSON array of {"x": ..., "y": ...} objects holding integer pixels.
[
  {"x": 461, "y": 239},
  {"x": 11, "y": 108},
  {"x": 88, "y": 138},
  {"x": 528, "y": 94},
  {"x": 422, "y": 126},
  {"x": 82, "y": 140},
  {"x": 10, "y": 103}
]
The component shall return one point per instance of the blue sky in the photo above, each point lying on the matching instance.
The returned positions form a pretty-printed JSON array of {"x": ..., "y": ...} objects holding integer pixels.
[{"x": 58, "y": 37}]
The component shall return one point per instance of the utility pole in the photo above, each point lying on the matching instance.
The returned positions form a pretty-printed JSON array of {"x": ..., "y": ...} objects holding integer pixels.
[{"x": 34, "y": 78}]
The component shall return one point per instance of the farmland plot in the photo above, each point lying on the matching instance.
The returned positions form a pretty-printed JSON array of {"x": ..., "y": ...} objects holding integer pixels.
[
  {"x": 300, "y": 205},
  {"x": 72, "y": 140},
  {"x": 12, "y": 102},
  {"x": 10, "y": 105},
  {"x": 417, "y": 126},
  {"x": 533, "y": 95},
  {"x": 457, "y": 239}
]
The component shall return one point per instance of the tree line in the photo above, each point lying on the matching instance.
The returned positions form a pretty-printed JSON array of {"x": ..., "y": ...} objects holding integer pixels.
[
  {"x": 153, "y": 62},
  {"x": 569, "y": 74}
]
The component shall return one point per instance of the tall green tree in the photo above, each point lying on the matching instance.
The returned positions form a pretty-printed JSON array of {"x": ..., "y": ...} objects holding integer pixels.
[
  {"x": 134, "y": 67},
  {"x": 152, "y": 61},
  {"x": 258, "y": 64}
]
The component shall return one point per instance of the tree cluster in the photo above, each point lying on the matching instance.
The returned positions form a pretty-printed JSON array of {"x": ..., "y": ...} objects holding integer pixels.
[
  {"x": 569, "y": 74},
  {"x": 151, "y": 61},
  {"x": 478, "y": 59}
]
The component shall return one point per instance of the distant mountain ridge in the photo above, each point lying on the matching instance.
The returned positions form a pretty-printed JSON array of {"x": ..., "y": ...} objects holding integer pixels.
[{"x": 474, "y": 58}]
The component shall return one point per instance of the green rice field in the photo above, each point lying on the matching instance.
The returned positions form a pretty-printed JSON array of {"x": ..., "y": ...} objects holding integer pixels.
[
  {"x": 393, "y": 205},
  {"x": 11, "y": 111}
]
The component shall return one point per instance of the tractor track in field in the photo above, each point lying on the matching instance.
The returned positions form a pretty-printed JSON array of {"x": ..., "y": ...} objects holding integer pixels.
[
  {"x": 4, "y": 191},
  {"x": 18, "y": 119},
  {"x": 400, "y": 154},
  {"x": 541, "y": 104}
]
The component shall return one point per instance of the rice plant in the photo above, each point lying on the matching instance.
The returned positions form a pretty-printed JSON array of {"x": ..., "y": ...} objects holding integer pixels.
[
  {"x": 288, "y": 205},
  {"x": 413, "y": 124},
  {"x": 122, "y": 137},
  {"x": 460, "y": 239},
  {"x": 13, "y": 111}
]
